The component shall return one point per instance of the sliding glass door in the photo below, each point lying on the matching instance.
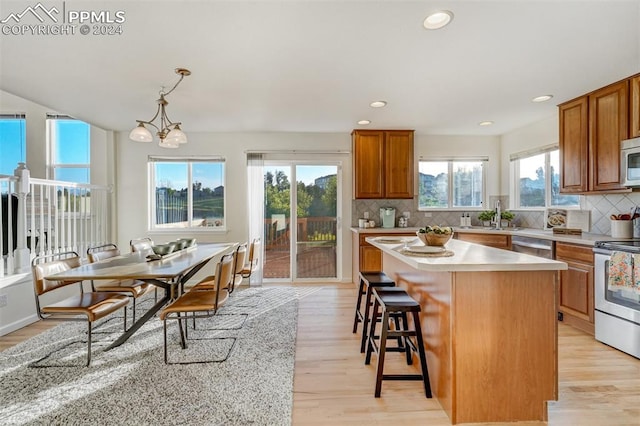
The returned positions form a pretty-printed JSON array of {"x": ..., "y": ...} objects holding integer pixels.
[{"x": 305, "y": 247}]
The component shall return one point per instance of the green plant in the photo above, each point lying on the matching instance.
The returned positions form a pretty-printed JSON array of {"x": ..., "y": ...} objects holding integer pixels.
[
  {"x": 507, "y": 215},
  {"x": 486, "y": 215}
]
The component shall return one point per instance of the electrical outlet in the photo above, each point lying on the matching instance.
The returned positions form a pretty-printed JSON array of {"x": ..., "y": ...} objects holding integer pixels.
[
  {"x": 366, "y": 215},
  {"x": 4, "y": 299},
  {"x": 427, "y": 214},
  {"x": 407, "y": 215}
]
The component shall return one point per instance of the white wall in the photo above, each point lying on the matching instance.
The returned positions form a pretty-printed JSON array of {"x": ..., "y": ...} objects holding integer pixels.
[
  {"x": 538, "y": 134},
  {"x": 102, "y": 166}
]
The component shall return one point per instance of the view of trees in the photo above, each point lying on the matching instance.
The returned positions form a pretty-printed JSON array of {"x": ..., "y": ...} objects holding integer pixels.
[
  {"x": 532, "y": 191},
  {"x": 313, "y": 200}
]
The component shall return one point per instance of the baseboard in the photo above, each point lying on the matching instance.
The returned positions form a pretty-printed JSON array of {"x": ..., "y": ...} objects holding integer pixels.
[{"x": 17, "y": 325}]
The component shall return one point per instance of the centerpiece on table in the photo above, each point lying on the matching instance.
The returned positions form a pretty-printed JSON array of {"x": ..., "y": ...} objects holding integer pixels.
[{"x": 435, "y": 235}]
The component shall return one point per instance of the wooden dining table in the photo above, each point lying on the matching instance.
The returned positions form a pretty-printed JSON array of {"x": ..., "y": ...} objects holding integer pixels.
[{"x": 170, "y": 273}]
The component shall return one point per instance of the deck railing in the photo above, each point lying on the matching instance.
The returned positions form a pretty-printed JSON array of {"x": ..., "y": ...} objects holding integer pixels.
[{"x": 46, "y": 217}]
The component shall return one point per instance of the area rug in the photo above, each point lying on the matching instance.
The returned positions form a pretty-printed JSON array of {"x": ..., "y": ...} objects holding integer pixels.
[{"x": 43, "y": 380}]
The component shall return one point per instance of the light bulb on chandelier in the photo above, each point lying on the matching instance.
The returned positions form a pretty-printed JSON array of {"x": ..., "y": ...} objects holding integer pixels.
[{"x": 169, "y": 133}]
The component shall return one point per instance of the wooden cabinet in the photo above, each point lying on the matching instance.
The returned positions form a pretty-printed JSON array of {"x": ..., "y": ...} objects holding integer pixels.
[
  {"x": 608, "y": 127},
  {"x": 591, "y": 129},
  {"x": 575, "y": 298},
  {"x": 383, "y": 163},
  {"x": 574, "y": 138},
  {"x": 492, "y": 240},
  {"x": 634, "y": 106},
  {"x": 366, "y": 257}
]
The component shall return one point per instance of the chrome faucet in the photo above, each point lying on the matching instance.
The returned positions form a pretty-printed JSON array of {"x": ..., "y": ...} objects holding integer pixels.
[{"x": 497, "y": 217}]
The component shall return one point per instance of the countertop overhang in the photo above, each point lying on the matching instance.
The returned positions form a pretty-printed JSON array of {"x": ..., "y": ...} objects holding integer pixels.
[{"x": 468, "y": 257}]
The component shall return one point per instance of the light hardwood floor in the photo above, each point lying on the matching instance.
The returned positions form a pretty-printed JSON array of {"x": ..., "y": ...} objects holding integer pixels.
[{"x": 332, "y": 386}]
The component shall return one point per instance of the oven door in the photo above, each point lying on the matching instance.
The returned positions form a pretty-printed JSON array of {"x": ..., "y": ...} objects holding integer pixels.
[{"x": 621, "y": 303}]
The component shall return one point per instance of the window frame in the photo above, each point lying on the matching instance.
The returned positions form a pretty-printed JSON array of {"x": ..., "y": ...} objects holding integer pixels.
[
  {"x": 23, "y": 143},
  {"x": 450, "y": 187},
  {"x": 515, "y": 180},
  {"x": 52, "y": 145},
  {"x": 189, "y": 161}
]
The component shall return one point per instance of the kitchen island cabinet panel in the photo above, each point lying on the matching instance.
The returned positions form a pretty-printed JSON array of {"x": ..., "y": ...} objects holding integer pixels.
[{"x": 488, "y": 319}]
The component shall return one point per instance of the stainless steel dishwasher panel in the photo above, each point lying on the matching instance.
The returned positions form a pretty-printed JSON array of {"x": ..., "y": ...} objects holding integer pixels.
[{"x": 534, "y": 246}]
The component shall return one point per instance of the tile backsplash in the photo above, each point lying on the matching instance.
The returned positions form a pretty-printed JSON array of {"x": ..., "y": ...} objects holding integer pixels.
[{"x": 601, "y": 207}]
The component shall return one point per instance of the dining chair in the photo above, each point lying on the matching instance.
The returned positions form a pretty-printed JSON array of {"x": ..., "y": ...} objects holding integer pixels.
[
  {"x": 239, "y": 256},
  {"x": 132, "y": 288},
  {"x": 141, "y": 244},
  {"x": 252, "y": 263},
  {"x": 86, "y": 306},
  {"x": 202, "y": 303}
]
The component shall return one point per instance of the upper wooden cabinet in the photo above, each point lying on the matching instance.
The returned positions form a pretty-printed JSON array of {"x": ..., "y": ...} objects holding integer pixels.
[
  {"x": 591, "y": 129},
  {"x": 383, "y": 163},
  {"x": 574, "y": 145},
  {"x": 634, "y": 90}
]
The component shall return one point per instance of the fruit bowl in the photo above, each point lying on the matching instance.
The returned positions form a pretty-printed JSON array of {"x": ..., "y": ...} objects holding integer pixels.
[{"x": 435, "y": 235}]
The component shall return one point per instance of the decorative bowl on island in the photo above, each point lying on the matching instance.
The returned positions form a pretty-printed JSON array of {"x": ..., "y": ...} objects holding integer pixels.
[{"x": 435, "y": 235}]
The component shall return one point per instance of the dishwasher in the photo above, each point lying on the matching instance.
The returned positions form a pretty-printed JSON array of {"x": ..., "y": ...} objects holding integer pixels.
[{"x": 534, "y": 246}]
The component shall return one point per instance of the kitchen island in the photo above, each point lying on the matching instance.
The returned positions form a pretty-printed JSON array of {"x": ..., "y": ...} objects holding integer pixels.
[{"x": 489, "y": 324}]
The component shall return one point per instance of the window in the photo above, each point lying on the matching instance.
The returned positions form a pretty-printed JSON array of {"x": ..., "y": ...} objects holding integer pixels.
[
  {"x": 13, "y": 142},
  {"x": 187, "y": 193},
  {"x": 69, "y": 147},
  {"x": 532, "y": 187},
  {"x": 451, "y": 183}
]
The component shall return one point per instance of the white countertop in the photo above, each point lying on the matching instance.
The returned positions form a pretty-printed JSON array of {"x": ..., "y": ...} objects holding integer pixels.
[
  {"x": 584, "y": 239},
  {"x": 469, "y": 257}
]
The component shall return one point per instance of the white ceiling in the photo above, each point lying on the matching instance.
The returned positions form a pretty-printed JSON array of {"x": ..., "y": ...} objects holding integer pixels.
[{"x": 314, "y": 66}]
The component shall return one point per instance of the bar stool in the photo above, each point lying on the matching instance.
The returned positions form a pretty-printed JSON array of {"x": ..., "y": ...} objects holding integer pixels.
[
  {"x": 368, "y": 280},
  {"x": 394, "y": 302}
]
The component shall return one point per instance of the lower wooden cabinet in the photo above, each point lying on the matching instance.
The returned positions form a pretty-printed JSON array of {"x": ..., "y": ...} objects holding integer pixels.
[
  {"x": 575, "y": 298},
  {"x": 492, "y": 240},
  {"x": 366, "y": 257}
]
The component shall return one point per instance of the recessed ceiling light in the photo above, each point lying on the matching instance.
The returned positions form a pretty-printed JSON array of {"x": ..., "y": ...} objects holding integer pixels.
[
  {"x": 542, "y": 98},
  {"x": 485, "y": 123},
  {"x": 378, "y": 104},
  {"x": 438, "y": 19},
  {"x": 364, "y": 122}
]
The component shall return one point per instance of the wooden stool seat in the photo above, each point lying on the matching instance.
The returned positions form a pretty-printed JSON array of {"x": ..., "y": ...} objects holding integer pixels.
[
  {"x": 368, "y": 280},
  {"x": 392, "y": 303}
]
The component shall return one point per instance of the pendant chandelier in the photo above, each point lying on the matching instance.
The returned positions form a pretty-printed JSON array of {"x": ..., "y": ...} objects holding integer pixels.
[{"x": 169, "y": 133}]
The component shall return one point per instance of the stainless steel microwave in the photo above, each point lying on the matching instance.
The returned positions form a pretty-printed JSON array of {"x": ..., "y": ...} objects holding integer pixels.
[{"x": 630, "y": 162}]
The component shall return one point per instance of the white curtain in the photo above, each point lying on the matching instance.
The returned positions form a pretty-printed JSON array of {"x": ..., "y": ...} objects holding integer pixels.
[{"x": 255, "y": 180}]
